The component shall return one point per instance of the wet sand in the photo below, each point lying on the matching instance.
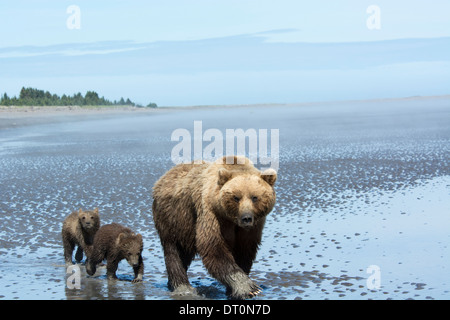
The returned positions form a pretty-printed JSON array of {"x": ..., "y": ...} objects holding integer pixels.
[{"x": 359, "y": 184}]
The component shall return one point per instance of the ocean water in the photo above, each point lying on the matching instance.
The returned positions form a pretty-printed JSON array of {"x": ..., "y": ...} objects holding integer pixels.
[{"x": 362, "y": 212}]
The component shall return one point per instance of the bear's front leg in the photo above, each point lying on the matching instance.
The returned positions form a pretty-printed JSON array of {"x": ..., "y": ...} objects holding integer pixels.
[
  {"x": 68, "y": 250},
  {"x": 219, "y": 261},
  {"x": 79, "y": 254},
  {"x": 91, "y": 267},
  {"x": 242, "y": 287},
  {"x": 138, "y": 271}
]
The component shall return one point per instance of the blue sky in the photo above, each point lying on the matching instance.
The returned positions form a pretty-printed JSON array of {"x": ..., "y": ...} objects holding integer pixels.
[{"x": 227, "y": 52}]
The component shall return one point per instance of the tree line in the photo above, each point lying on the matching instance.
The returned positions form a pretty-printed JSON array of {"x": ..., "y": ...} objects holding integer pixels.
[{"x": 35, "y": 97}]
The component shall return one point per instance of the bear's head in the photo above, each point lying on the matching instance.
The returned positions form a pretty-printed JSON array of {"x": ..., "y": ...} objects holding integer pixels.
[
  {"x": 130, "y": 246},
  {"x": 246, "y": 198},
  {"x": 89, "y": 220}
]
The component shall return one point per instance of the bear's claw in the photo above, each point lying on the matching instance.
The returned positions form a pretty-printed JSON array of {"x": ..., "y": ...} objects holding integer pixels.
[{"x": 254, "y": 293}]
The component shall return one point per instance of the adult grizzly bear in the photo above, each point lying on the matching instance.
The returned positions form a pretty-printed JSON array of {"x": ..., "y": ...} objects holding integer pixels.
[
  {"x": 79, "y": 229},
  {"x": 114, "y": 243},
  {"x": 217, "y": 210}
]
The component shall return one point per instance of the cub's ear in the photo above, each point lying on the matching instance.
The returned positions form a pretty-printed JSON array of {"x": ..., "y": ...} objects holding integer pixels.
[
  {"x": 224, "y": 176},
  {"x": 120, "y": 238},
  {"x": 80, "y": 210},
  {"x": 139, "y": 237},
  {"x": 96, "y": 210},
  {"x": 269, "y": 176}
]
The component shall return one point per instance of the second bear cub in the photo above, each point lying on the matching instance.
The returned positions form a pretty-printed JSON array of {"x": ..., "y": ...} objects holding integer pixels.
[{"x": 114, "y": 243}]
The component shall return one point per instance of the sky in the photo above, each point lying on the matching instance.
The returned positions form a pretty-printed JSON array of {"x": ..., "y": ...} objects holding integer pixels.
[{"x": 202, "y": 52}]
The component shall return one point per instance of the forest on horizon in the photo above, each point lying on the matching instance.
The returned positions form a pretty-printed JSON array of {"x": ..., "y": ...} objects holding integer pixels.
[{"x": 36, "y": 97}]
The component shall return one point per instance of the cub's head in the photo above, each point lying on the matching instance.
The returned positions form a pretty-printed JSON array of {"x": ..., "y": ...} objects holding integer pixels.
[
  {"x": 246, "y": 198},
  {"x": 131, "y": 246},
  {"x": 89, "y": 220}
]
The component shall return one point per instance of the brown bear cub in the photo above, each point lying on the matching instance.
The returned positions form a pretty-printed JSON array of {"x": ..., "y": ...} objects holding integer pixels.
[
  {"x": 114, "y": 243},
  {"x": 79, "y": 229},
  {"x": 217, "y": 210}
]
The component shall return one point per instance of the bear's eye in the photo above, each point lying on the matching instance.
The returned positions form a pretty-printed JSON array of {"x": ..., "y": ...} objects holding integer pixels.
[
  {"x": 237, "y": 199},
  {"x": 254, "y": 198},
  {"x": 83, "y": 218}
]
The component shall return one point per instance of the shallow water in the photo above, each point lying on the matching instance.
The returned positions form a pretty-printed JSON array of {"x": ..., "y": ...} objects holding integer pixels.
[{"x": 359, "y": 184}]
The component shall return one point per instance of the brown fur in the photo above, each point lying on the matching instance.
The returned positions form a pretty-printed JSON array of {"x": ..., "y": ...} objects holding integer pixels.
[
  {"x": 217, "y": 210},
  {"x": 79, "y": 229},
  {"x": 114, "y": 243}
]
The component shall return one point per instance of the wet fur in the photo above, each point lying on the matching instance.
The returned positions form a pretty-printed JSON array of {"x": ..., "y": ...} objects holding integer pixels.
[
  {"x": 114, "y": 243},
  {"x": 75, "y": 232},
  {"x": 195, "y": 212}
]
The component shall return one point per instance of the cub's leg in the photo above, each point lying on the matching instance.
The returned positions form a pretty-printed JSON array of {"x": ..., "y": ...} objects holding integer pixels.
[
  {"x": 79, "y": 254},
  {"x": 68, "y": 250},
  {"x": 111, "y": 268},
  {"x": 138, "y": 271}
]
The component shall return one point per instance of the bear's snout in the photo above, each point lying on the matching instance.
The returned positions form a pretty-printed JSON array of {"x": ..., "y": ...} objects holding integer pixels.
[
  {"x": 247, "y": 220},
  {"x": 133, "y": 261},
  {"x": 87, "y": 225}
]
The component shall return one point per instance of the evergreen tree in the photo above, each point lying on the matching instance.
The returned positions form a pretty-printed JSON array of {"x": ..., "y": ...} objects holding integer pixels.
[
  {"x": 35, "y": 97},
  {"x": 5, "y": 101},
  {"x": 78, "y": 99},
  {"x": 91, "y": 98}
]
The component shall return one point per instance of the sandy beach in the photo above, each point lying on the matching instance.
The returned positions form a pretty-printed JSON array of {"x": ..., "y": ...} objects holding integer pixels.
[
  {"x": 13, "y": 117},
  {"x": 362, "y": 197}
]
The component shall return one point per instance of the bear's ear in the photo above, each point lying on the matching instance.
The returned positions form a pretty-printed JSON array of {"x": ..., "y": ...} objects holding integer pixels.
[
  {"x": 269, "y": 176},
  {"x": 139, "y": 237},
  {"x": 80, "y": 211},
  {"x": 224, "y": 176},
  {"x": 120, "y": 238},
  {"x": 96, "y": 210}
]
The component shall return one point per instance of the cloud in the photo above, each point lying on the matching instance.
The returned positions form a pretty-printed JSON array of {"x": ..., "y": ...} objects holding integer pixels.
[
  {"x": 236, "y": 69},
  {"x": 248, "y": 52},
  {"x": 69, "y": 49}
]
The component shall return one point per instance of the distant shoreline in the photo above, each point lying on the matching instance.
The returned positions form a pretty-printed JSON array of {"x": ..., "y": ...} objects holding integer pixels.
[
  {"x": 17, "y": 116},
  {"x": 311, "y": 103},
  {"x": 75, "y": 109},
  {"x": 46, "y": 109}
]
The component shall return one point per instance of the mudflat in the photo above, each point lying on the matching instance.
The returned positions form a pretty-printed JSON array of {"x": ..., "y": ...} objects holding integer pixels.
[{"x": 362, "y": 197}]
